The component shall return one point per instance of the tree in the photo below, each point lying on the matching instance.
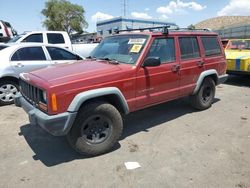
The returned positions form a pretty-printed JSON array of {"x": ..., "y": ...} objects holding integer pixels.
[
  {"x": 191, "y": 27},
  {"x": 61, "y": 15}
]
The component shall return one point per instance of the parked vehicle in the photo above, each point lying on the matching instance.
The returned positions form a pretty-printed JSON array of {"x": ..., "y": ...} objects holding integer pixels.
[
  {"x": 238, "y": 56},
  {"x": 2, "y": 46},
  {"x": 6, "y": 31},
  {"x": 24, "y": 58},
  {"x": 125, "y": 73},
  {"x": 58, "y": 38}
]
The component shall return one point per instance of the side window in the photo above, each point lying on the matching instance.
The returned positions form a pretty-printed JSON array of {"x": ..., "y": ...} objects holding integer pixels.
[
  {"x": 55, "y": 38},
  {"x": 34, "y": 38},
  {"x": 211, "y": 46},
  {"x": 189, "y": 47},
  {"x": 29, "y": 54},
  {"x": 60, "y": 54},
  {"x": 164, "y": 49}
]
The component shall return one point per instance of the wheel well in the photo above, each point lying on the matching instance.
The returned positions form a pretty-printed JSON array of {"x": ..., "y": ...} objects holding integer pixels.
[
  {"x": 214, "y": 77},
  {"x": 10, "y": 78},
  {"x": 112, "y": 99}
]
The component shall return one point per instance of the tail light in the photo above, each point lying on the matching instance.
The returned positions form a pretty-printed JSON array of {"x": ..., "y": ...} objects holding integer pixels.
[{"x": 6, "y": 30}]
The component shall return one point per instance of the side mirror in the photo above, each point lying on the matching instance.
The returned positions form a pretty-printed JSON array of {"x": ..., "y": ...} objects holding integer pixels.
[{"x": 151, "y": 62}]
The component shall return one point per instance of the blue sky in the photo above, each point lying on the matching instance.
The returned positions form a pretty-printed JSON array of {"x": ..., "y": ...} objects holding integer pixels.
[{"x": 25, "y": 15}]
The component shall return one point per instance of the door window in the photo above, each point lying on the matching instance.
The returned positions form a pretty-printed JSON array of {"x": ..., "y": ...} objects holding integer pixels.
[
  {"x": 29, "y": 54},
  {"x": 163, "y": 48},
  {"x": 34, "y": 38},
  {"x": 189, "y": 47},
  {"x": 55, "y": 38},
  {"x": 61, "y": 54}
]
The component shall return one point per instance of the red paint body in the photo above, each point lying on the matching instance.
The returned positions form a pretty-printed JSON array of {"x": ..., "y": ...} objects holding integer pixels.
[{"x": 141, "y": 87}]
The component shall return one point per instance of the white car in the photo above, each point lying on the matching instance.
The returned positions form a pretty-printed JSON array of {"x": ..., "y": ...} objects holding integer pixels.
[{"x": 27, "y": 57}]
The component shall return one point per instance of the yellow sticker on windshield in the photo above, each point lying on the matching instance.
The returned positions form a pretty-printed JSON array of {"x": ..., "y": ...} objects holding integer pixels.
[{"x": 136, "y": 48}]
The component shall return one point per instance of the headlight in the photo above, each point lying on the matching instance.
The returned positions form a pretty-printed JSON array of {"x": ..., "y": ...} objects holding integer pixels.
[{"x": 43, "y": 97}]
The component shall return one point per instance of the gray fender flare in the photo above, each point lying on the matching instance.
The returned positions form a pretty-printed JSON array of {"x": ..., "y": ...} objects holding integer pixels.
[
  {"x": 201, "y": 78},
  {"x": 80, "y": 98}
]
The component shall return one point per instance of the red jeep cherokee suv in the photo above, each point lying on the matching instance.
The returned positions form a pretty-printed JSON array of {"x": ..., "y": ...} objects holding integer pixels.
[{"x": 126, "y": 72}]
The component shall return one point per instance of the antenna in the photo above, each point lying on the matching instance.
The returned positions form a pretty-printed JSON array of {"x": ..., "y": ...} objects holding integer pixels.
[{"x": 124, "y": 7}]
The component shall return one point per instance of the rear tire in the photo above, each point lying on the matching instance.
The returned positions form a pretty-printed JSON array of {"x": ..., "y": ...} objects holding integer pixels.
[
  {"x": 8, "y": 90},
  {"x": 203, "y": 99},
  {"x": 96, "y": 130}
]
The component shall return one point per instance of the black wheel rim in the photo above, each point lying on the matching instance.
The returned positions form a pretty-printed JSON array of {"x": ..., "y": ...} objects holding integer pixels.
[
  {"x": 206, "y": 94},
  {"x": 96, "y": 129}
]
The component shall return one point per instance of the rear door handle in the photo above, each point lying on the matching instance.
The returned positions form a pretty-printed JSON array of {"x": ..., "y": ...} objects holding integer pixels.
[
  {"x": 200, "y": 63},
  {"x": 175, "y": 68},
  {"x": 19, "y": 65}
]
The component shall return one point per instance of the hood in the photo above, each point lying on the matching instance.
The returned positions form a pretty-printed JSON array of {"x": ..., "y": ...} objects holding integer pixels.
[
  {"x": 238, "y": 54},
  {"x": 83, "y": 70}
]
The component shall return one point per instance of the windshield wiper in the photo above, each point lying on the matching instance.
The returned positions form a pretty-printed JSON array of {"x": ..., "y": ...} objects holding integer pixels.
[
  {"x": 91, "y": 57},
  {"x": 112, "y": 61}
]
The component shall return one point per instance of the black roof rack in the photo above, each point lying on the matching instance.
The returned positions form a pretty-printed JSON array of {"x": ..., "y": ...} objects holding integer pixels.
[{"x": 165, "y": 29}]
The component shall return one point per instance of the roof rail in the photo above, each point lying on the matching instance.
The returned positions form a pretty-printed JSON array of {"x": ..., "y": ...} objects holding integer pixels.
[{"x": 164, "y": 30}]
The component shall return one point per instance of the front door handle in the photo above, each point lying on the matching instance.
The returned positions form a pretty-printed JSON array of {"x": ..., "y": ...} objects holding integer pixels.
[
  {"x": 200, "y": 63},
  {"x": 175, "y": 68}
]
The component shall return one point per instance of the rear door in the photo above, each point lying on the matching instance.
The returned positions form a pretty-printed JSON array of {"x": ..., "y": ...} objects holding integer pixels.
[
  {"x": 59, "y": 55},
  {"x": 157, "y": 84},
  {"x": 27, "y": 59},
  {"x": 192, "y": 63}
]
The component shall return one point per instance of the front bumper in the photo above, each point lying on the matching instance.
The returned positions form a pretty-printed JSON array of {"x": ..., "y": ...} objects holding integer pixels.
[
  {"x": 222, "y": 78},
  {"x": 57, "y": 125}
]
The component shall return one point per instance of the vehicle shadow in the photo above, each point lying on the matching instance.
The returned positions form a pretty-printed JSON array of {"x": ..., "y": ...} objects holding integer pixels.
[
  {"x": 51, "y": 150},
  {"x": 238, "y": 80}
]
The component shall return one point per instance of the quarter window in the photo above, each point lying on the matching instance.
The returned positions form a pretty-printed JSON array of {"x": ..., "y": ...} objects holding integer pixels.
[
  {"x": 211, "y": 46},
  {"x": 55, "y": 38},
  {"x": 29, "y": 54},
  {"x": 34, "y": 38},
  {"x": 60, "y": 54},
  {"x": 164, "y": 49},
  {"x": 189, "y": 47}
]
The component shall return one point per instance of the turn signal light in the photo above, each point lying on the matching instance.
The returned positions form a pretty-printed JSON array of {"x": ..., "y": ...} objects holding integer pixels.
[{"x": 54, "y": 102}]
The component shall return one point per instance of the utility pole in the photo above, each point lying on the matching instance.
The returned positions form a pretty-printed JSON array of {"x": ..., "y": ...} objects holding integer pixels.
[{"x": 124, "y": 7}]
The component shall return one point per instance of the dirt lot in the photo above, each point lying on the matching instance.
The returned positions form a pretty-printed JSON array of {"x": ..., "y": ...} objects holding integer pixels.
[{"x": 175, "y": 145}]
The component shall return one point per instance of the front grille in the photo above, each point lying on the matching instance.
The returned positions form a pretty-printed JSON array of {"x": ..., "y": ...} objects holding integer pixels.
[{"x": 30, "y": 92}]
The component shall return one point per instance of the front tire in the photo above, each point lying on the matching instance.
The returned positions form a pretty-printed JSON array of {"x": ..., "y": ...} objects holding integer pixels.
[
  {"x": 8, "y": 90},
  {"x": 203, "y": 99},
  {"x": 96, "y": 130}
]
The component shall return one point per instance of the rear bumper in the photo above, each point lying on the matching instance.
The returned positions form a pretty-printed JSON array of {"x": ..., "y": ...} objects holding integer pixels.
[
  {"x": 57, "y": 125},
  {"x": 238, "y": 72},
  {"x": 222, "y": 79}
]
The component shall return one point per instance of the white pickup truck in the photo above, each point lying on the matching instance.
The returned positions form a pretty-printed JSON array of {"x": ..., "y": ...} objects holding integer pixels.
[{"x": 58, "y": 38}]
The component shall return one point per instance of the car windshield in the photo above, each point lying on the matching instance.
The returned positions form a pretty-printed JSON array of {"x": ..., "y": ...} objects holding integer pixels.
[
  {"x": 240, "y": 44},
  {"x": 120, "y": 48},
  {"x": 14, "y": 39}
]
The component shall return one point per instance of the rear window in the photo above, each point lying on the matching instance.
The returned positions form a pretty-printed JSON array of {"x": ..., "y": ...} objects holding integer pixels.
[
  {"x": 211, "y": 46},
  {"x": 189, "y": 47},
  {"x": 7, "y": 24},
  {"x": 29, "y": 54},
  {"x": 55, "y": 38}
]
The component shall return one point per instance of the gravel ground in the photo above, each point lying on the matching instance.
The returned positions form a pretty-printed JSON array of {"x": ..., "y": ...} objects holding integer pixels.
[{"x": 175, "y": 145}]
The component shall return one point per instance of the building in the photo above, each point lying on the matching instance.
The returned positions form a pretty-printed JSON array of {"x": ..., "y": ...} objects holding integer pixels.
[
  {"x": 107, "y": 27},
  {"x": 85, "y": 38}
]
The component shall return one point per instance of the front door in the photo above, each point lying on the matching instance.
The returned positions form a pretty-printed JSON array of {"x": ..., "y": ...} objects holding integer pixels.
[{"x": 157, "y": 84}]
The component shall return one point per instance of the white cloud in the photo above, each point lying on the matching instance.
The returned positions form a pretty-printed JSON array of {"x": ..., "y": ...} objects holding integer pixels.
[
  {"x": 147, "y": 9},
  {"x": 141, "y": 15},
  {"x": 99, "y": 16},
  {"x": 236, "y": 7},
  {"x": 163, "y": 17},
  {"x": 179, "y": 6}
]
